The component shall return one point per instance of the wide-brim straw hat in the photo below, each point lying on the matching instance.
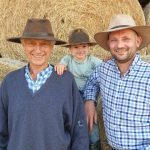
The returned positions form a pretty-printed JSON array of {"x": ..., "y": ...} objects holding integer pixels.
[
  {"x": 121, "y": 22},
  {"x": 78, "y": 36},
  {"x": 37, "y": 29}
]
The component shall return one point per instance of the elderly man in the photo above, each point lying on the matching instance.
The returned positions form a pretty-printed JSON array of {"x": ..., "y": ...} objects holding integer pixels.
[
  {"x": 124, "y": 84},
  {"x": 40, "y": 110}
]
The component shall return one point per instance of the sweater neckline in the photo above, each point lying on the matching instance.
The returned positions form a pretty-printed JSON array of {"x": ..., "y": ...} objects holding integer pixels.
[{"x": 42, "y": 87}]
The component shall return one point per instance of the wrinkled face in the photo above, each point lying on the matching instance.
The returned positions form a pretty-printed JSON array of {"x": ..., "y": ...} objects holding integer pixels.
[
  {"x": 123, "y": 45},
  {"x": 37, "y": 51},
  {"x": 79, "y": 51}
]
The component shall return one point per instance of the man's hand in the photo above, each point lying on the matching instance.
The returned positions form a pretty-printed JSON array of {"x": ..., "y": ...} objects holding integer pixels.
[
  {"x": 60, "y": 68},
  {"x": 91, "y": 114}
]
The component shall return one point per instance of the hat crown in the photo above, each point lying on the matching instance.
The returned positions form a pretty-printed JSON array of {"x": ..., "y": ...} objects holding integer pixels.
[
  {"x": 78, "y": 36},
  {"x": 121, "y": 20},
  {"x": 37, "y": 28}
]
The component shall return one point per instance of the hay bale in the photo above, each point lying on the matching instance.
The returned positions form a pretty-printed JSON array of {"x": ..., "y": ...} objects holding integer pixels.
[
  {"x": 104, "y": 142},
  {"x": 147, "y": 18},
  {"x": 92, "y": 15},
  {"x": 147, "y": 13},
  {"x": 7, "y": 65}
]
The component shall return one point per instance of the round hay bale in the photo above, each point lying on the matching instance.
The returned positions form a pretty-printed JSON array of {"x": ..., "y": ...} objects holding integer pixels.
[
  {"x": 147, "y": 18},
  {"x": 147, "y": 13},
  {"x": 92, "y": 15},
  {"x": 7, "y": 65}
]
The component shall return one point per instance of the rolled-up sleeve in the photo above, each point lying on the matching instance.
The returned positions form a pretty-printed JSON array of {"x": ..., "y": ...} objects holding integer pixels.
[{"x": 92, "y": 87}]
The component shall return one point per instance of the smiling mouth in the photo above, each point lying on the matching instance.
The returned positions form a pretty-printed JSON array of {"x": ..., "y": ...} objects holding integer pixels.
[
  {"x": 81, "y": 53},
  {"x": 121, "y": 50},
  {"x": 38, "y": 55}
]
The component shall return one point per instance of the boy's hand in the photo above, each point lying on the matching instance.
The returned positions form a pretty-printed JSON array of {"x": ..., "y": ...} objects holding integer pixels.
[
  {"x": 106, "y": 58},
  {"x": 60, "y": 68}
]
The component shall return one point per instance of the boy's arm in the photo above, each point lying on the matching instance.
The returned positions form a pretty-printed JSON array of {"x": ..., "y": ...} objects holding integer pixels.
[
  {"x": 92, "y": 89},
  {"x": 96, "y": 61},
  {"x": 62, "y": 65}
]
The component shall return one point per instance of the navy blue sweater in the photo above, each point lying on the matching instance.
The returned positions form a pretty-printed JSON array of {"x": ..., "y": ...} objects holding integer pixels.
[{"x": 50, "y": 119}]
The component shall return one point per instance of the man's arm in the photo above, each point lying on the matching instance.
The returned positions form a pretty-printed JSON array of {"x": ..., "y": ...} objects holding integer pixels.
[
  {"x": 90, "y": 96},
  {"x": 3, "y": 121},
  {"x": 91, "y": 114}
]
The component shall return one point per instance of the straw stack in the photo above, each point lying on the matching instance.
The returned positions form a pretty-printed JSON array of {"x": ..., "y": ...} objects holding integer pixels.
[
  {"x": 7, "y": 65},
  {"x": 147, "y": 18},
  {"x": 92, "y": 15}
]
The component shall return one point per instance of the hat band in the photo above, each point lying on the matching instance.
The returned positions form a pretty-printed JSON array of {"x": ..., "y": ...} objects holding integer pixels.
[
  {"x": 39, "y": 34},
  {"x": 119, "y": 26}
]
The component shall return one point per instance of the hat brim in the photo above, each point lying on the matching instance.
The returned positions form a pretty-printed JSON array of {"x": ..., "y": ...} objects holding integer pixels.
[
  {"x": 71, "y": 44},
  {"x": 18, "y": 40},
  {"x": 144, "y": 31}
]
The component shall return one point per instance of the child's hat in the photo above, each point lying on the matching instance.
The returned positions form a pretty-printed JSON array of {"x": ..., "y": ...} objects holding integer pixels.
[{"x": 79, "y": 36}]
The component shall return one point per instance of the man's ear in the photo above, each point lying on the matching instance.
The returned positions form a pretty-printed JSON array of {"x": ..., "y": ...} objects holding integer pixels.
[{"x": 139, "y": 41}]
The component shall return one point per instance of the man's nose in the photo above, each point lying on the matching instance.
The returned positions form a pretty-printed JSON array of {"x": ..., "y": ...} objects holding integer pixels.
[
  {"x": 120, "y": 44},
  {"x": 38, "y": 48}
]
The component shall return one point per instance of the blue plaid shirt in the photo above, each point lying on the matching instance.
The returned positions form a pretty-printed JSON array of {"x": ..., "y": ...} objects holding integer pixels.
[
  {"x": 35, "y": 85},
  {"x": 126, "y": 103}
]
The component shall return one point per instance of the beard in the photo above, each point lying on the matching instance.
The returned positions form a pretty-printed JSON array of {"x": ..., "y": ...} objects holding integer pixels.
[{"x": 122, "y": 55}]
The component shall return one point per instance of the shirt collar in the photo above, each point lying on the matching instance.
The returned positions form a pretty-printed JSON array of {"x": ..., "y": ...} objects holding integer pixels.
[
  {"x": 133, "y": 65},
  {"x": 42, "y": 73}
]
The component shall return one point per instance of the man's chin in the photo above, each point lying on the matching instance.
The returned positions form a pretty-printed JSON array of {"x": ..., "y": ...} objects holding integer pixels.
[
  {"x": 121, "y": 59},
  {"x": 38, "y": 63}
]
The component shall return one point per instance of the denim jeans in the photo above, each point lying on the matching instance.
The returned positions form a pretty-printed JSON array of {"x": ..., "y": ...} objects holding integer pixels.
[
  {"x": 94, "y": 135},
  {"x": 94, "y": 138}
]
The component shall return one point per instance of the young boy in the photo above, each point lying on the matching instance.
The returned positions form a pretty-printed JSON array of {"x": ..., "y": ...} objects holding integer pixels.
[{"x": 81, "y": 65}]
